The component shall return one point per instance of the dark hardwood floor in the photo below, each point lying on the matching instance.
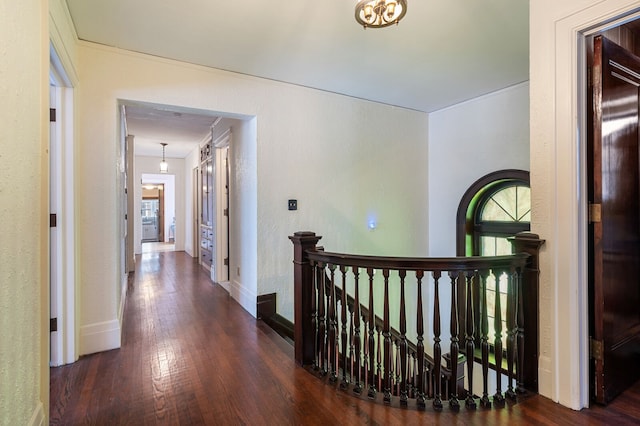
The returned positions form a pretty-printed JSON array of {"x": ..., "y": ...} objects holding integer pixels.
[{"x": 191, "y": 355}]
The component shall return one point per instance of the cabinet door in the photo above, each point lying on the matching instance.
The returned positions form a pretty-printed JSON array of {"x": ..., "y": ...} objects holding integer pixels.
[{"x": 207, "y": 192}]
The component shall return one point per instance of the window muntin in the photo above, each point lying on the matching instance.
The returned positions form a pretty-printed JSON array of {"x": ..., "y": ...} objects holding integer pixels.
[{"x": 509, "y": 204}]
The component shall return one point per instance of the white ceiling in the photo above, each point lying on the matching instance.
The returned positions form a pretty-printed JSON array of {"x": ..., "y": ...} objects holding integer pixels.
[
  {"x": 442, "y": 53},
  {"x": 179, "y": 128}
]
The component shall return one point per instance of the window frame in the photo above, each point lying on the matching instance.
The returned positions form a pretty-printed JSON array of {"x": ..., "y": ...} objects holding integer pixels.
[{"x": 468, "y": 207}]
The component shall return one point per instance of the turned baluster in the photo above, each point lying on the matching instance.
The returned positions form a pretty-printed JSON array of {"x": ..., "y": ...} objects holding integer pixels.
[
  {"x": 414, "y": 364},
  {"x": 411, "y": 378},
  {"x": 372, "y": 340},
  {"x": 351, "y": 348},
  {"x": 398, "y": 363},
  {"x": 403, "y": 342},
  {"x": 485, "y": 402},
  {"x": 322, "y": 319},
  {"x": 357, "y": 388},
  {"x": 386, "y": 333},
  {"x": 511, "y": 333},
  {"x": 429, "y": 375},
  {"x": 378, "y": 358},
  {"x": 332, "y": 324},
  {"x": 314, "y": 315},
  {"x": 437, "y": 350},
  {"x": 420, "y": 399},
  {"x": 454, "y": 404},
  {"x": 367, "y": 365},
  {"x": 520, "y": 335},
  {"x": 470, "y": 403},
  {"x": 498, "y": 398},
  {"x": 343, "y": 318}
]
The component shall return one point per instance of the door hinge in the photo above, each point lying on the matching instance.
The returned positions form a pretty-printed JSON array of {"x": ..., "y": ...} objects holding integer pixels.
[
  {"x": 53, "y": 325},
  {"x": 595, "y": 213},
  {"x": 226, "y": 261},
  {"x": 53, "y": 220},
  {"x": 226, "y": 212},
  {"x": 52, "y": 115},
  {"x": 596, "y": 349}
]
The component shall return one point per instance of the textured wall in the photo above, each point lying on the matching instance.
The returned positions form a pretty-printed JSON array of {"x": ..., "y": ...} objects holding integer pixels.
[
  {"x": 23, "y": 209},
  {"x": 468, "y": 141}
]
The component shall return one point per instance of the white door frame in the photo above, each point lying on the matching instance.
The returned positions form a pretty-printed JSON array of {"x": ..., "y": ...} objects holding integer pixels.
[
  {"x": 564, "y": 364},
  {"x": 196, "y": 212},
  {"x": 220, "y": 146},
  {"x": 62, "y": 199}
]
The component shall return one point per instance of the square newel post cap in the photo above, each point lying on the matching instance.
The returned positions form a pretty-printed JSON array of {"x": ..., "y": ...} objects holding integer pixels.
[{"x": 304, "y": 235}]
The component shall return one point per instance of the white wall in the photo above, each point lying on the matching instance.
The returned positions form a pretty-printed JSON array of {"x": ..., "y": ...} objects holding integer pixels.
[
  {"x": 24, "y": 393},
  {"x": 191, "y": 161},
  {"x": 341, "y": 157},
  {"x": 466, "y": 142},
  {"x": 243, "y": 208}
]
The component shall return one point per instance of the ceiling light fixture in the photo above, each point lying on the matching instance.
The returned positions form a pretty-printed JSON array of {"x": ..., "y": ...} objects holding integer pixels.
[
  {"x": 164, "y": 166},
  {"x": 380, "y": 13}
]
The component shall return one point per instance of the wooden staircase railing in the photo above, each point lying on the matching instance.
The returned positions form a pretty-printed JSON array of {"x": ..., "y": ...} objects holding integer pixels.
[{"x": 337, "y": 335}]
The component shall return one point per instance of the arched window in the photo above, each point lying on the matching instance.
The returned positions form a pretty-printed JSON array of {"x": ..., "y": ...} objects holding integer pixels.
[{"x": 496, "y": 207}]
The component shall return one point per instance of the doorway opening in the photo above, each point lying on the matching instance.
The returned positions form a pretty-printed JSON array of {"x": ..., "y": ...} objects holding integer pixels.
[
  {"x": 62, "y": 260},
  {"x": 157, "y": 213},
  {"x": 613, "y": 177}
]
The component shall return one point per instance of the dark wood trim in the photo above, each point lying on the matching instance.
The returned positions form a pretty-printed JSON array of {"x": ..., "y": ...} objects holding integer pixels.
[
  {"x": 303, "y": 295},
  {"x": 266, "y": 305},
  {"x": 266, "y": 310}
]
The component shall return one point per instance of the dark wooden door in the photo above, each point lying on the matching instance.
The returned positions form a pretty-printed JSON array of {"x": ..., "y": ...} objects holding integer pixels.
[{"x": 614, "y": 187}]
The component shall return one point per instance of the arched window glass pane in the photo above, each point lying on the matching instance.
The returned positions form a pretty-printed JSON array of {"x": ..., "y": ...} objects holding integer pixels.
[
  {"x": 524, "y": 204},
  {"x": 511, "y": 204},
  {"x": 494, "y": 246}
]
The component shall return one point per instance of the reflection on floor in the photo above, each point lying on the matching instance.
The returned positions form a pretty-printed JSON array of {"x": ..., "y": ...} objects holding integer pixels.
[{"x": 156, "y": 247}]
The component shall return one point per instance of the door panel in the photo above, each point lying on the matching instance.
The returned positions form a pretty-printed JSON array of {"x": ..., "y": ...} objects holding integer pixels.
[{"x": 615, "y": 235}]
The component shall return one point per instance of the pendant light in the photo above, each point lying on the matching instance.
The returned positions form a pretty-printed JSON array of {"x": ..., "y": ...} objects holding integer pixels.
[{"x": 164, "y": 166}]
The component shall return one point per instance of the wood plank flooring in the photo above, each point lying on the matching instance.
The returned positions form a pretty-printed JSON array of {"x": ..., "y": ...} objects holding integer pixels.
[{"x": 191, "y": 355}]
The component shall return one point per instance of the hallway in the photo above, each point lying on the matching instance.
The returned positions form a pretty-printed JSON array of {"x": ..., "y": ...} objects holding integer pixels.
[{"x": 191, "y": 355}]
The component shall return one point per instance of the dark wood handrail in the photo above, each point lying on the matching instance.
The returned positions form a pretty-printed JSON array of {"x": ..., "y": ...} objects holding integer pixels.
[{"x": 458, "y": 263}]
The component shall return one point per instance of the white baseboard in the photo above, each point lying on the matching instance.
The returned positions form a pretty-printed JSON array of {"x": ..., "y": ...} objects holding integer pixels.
[
  {"x": 99, "y": 337},
  {"x": 246, "y": 298},
  {"x": 545, "y": 383},
  {"x": 226, "y": 285},
  {"x": 38, "y": 418},
  {"x": 123, "y": 297}
]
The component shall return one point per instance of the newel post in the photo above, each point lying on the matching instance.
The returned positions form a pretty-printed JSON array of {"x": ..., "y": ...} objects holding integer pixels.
[
  {"x": 303, "y": 294},
  {"x": 528, "y": 311}
]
